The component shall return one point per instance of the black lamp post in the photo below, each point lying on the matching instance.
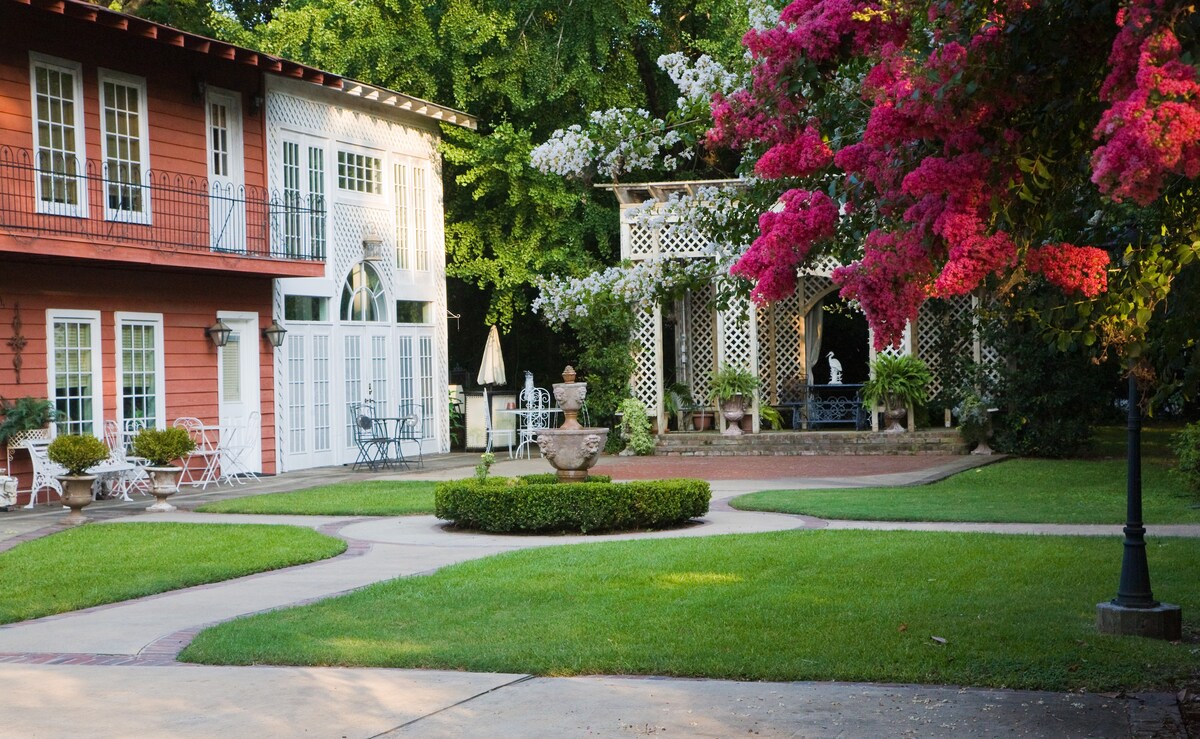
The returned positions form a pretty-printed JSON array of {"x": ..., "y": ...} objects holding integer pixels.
[
  {"x": 1134, "y": 611},
  {"x": 1134, "y": 589}
]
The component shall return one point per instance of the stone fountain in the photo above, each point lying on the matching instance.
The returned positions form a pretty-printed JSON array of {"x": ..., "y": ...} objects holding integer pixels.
[{"x": 571, "y": 448}]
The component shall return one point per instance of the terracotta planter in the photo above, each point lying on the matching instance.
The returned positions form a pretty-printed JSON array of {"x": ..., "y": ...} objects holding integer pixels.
[
  {"x": 164, "y": 482},
  {"x": 77, "y": 493},
  {"x": 702, "y": 421}
]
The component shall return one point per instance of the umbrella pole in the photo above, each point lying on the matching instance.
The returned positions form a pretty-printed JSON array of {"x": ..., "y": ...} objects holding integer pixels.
[{"x": 487, "y": 420}]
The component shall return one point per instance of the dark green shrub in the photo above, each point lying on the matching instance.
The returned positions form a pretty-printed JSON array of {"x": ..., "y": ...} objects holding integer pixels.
[
  {"x": 508, "y": 505},
  {"x": 549, "y": 478},
  {"x": 77, "y": 452},
  {"x": 161, "y": 447},
  {"x": 1186, "y": 444}
]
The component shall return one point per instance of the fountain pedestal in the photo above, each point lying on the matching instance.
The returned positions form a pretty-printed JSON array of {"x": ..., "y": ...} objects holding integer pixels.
[{"x": 571, "y": 449}]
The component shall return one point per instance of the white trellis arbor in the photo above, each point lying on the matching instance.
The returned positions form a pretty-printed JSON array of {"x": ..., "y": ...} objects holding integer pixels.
[{"x": 768, "y": 341}]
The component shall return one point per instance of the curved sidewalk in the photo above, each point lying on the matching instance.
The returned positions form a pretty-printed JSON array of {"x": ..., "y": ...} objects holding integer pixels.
[{"x": 109, "y": 671}]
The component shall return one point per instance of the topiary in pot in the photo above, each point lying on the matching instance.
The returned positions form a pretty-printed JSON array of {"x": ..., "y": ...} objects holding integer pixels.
[
  {"x": 161, "y": 447},
  {"x": 896, "y": 383},
  {"x": 77, "y": 453},
  {"x": 635, "y": 427}
]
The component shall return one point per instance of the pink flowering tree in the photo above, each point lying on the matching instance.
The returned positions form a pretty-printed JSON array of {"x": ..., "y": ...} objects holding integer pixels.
[{"x": 939, "y": 148}]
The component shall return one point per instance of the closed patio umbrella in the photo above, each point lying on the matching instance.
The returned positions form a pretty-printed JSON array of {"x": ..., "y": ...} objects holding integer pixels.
[{"x": 491, "y": 372}]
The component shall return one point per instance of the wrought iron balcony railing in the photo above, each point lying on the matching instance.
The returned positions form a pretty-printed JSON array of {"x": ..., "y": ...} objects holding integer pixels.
[{"x": 115, "y": 203}]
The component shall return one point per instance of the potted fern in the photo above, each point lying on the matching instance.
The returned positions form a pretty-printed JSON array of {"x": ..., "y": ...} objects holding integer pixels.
[
  {"x": 76, "y": 453},
  {"x": 896, "y": 384},
  {"x": 730, "y": 387},
  {"x": 161, "y": 448},
  {"x": 22, "y": 416}
]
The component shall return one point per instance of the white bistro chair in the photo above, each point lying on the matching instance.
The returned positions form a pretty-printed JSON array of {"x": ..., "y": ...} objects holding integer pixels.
[
  {"x": 201, "y": 466},
  {"x": 534, "y": 417}
]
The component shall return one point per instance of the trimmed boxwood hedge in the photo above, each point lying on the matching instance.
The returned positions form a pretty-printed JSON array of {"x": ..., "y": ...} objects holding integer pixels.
[{"x": 506, "y": 505}]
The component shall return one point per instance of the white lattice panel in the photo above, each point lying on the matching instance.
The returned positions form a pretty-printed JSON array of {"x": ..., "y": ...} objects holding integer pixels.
[
  {"x": 702, "y": 341},
  {"x": 645, "y": 241},
  {"x": 940, "y": 335},
  {"x": 781, "y": 349},
  {"x": 645, "y": 383},
  {"x": 810, "y": 289},
  {"x": 737, "y": 344},
  {"x": 823, "y": 267}
]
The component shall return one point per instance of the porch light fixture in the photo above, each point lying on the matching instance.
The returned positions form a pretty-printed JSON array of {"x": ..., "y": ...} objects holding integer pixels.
[
  {"x": 372, "y": 245},
  {"x": 274, "y": 334},
  {"x": 219, "y": 333}
]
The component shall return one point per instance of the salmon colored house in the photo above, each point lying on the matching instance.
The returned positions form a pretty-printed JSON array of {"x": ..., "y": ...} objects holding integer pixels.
[{"x": 137, "y": 213}]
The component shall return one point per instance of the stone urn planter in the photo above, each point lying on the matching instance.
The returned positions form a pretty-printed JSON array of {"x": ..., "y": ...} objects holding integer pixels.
[
  {"x": 160, "y": 447},
  {"x": 894, "y": 416},
  {"x": 77, "y": 494},
  {"x": 76, "y": 453},
  {"x": 733, "y": 410},
  {"x": 164, "y": 482}
]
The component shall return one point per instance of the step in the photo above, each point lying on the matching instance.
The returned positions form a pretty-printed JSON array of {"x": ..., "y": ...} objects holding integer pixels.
[{"x": 800, "y": 443}]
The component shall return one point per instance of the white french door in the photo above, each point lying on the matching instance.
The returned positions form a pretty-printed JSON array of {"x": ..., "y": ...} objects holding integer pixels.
[
  {"x": 238, "y": 394},
  {"x": 308, "y": 411},
  {"x": 226, "y": 178}
]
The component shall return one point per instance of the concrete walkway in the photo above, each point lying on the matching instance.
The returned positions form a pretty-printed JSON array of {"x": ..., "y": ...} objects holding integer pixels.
[{"x": 110, "y": 670}]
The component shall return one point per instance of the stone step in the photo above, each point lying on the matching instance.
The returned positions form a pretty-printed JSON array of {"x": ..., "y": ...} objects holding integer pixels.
[{"x": 799, "y": 443}]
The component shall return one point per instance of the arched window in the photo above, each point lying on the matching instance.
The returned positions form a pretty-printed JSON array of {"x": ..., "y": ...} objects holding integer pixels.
[{"x": 362, "y": 295}]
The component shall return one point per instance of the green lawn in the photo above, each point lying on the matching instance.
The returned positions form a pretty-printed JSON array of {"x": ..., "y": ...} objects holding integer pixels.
[
  {"x": 96, "y": 564},
  {"x": 1015, "y": 611},
  {"x": 370, "y": 498},
  {"x": 1016, "y": 490}
]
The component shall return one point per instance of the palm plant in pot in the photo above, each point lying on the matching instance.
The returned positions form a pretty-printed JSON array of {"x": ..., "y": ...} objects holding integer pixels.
[
  {"x": 160, "y": 448},
  {"x": 77, "y": 453},
  {"x": 896, "y": 383},
  {"x": 730, "y": 388}
]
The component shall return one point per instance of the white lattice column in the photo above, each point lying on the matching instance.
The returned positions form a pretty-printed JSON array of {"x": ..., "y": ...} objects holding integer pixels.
[
  {"x": 646, "y": 382},
  {"x": 905, "y": 349},
  {"x": 737, "y": 344}
]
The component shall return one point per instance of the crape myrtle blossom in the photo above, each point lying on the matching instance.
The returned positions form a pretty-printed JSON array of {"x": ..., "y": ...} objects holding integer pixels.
[
  {"x": 940, "y": 156},
  {"x": 1152, "y": 129}
]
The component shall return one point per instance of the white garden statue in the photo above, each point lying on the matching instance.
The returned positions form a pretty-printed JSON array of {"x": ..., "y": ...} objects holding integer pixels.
[{"x": 835, "y": 370}]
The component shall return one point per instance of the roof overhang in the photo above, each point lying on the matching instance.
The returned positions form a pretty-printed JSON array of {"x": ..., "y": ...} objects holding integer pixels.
[
  {"x": 231, "y": 53},
  {"x": 641, "y": 192}
]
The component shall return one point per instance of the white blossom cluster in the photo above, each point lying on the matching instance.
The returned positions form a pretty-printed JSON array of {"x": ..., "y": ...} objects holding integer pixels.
[
  {"x": 616, "y": 141},
  {"x": 700, "y": 81},
  {"x": 641, "y": 285},
  {"x": 695, "y": 217},
  {"x": 762, "y": 15}
]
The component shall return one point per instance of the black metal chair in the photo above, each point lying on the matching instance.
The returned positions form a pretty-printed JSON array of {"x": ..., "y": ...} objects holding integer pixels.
[
  {"x": 370, "y": 436},
  {"x": 411, "y": 427}
]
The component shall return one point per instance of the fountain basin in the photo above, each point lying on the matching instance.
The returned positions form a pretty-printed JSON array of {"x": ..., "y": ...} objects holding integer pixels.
[{"x": 572, "y": 452}]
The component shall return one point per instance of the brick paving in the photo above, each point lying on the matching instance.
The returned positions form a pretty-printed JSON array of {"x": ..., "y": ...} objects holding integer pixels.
[{"x": 765, "y": 468}]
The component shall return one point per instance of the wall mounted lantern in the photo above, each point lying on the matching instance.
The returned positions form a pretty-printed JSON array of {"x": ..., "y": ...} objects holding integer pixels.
[
  {"x": 274, "y": 334},
  {"x": 219, "y": 333},
  {"x": 372, "y": 245}
]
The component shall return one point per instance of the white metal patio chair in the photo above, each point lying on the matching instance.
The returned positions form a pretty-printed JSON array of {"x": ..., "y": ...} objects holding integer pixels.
[
  {"x": 134, "y": 479},
  {"x": 236, "y": 442},
  {"x": 205, "y": 457},
  {"x": 534, "y": 418}
]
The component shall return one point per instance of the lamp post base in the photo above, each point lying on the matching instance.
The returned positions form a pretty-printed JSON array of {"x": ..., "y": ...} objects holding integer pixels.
[{"x": 1163, "y": 621}]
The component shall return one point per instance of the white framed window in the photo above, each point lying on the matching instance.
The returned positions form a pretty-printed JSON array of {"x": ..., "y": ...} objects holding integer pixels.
[
  {"x": 141, "y": 392},
  {"x": 358, "y": 172},
  {"x": 302, "y": 226},
  {"x": 363, "y": 296},
  {"x": 410, "y": 178},
  {"x": 226, "y": 178},
  {"x": 74, "y": 370},
  {"x": 124, "y": 138},
  {"x": 56, "y": 86},
  {"x": 403, "y": 241},
  {"x": 420, "y": 217}
]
